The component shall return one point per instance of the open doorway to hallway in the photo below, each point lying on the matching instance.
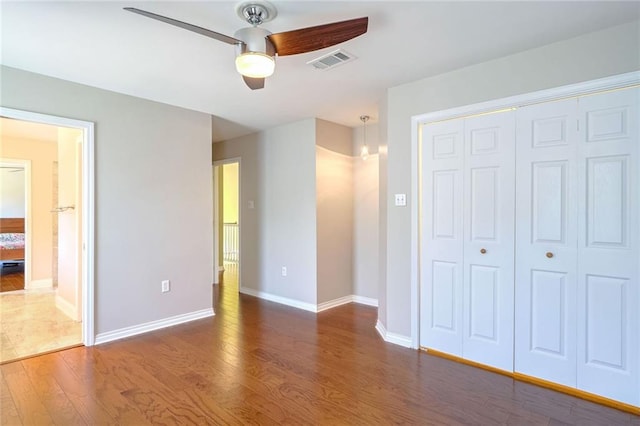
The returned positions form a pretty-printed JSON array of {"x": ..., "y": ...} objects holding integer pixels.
[
  {"x": 42, "y": 311},
  {"x": 227, "y": 174}
]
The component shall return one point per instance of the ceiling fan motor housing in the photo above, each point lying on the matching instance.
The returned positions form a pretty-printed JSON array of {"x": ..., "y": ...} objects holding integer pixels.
[{"x": 254, "y": 40}]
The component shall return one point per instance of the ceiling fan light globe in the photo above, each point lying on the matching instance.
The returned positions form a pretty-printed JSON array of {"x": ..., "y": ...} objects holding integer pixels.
[{"x": 255, "y": 64}]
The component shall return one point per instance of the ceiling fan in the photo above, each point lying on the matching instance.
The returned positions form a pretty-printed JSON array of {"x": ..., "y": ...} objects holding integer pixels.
[{"x": 256, "y": 48}]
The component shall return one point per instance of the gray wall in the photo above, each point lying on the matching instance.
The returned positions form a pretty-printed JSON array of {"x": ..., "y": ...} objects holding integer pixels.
[
  {"x": 609, "y": 52},
  {"x": 278, "y": 173},
  {"x": 153, "y": 197},
  {"x": 334, "y": 210},
  {"x": 365, "y": 214},
  {"x": 305, "y": 216}
]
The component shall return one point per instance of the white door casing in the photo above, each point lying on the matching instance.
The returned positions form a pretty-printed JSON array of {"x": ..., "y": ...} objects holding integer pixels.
[
  {"x": 442, "y": 236},
  {"x": 608, "y": 299},
  {"x": 488, "y": 273},
  {"x": 546, "y": 241}
]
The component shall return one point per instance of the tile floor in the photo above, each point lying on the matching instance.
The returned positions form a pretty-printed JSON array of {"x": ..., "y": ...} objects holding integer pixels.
[{"x": 31, "y": 324}]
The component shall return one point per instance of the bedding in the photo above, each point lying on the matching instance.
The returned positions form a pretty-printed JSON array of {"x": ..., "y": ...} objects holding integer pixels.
[{"x": 11, "y": 239}]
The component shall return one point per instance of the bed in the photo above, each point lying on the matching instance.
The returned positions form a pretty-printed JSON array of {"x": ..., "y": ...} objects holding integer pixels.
[{"x": 11, "y": 239}]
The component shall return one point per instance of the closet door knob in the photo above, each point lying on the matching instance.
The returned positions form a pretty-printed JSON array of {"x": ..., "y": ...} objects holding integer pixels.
[
  {"x": 549, "y": 254},
  {"x": 483, "y": 250}
]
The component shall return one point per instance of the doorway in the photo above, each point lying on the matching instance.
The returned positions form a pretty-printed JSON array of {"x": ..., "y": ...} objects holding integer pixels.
[
  {"x": 227, "y": 226},
  {"x": 53, "y": 309},
  {"x": 15, "y": 177}
]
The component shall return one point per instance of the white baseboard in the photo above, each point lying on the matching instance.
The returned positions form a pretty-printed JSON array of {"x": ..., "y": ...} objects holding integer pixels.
[
  {"x": 396, "y": 339},
  {"x": 151, "y": 326},
  {"x": 45, "y": 283},
  {"x": 347, "y": 299},
  {"x": 309, "y": 306},
  {"x": 334, "y": 303},
  {"x": 365, "y": 300},
  {"x": 279, "y": 299},
  {"x": 67, "y": 308}
]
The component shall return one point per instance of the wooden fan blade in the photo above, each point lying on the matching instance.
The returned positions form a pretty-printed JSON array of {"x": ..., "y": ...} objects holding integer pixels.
[
  {"x": 313, "y": 38},
  {"x": 184, "y": 25},
  {"x": 254, "y": 83}
]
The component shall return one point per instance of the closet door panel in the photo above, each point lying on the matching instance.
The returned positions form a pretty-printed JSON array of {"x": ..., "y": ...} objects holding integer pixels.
[
  {"x": 441, "y": 238},
  {"x": 488, "y": 239},
  {"x": 546, "y": 242},
  {"x": 608, "y": 246}
]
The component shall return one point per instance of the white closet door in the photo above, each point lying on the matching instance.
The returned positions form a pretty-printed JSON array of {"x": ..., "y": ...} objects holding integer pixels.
[
  {"x": 546, "y": 241},
  {"x": 608, "y": 240},
  {"x": 441, "y": 246},
  {"x": 488, "y": 284}
]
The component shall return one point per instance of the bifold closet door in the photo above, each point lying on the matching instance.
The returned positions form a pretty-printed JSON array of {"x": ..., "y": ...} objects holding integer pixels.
[
  {"x": 608, "y": 246},
  {"x": 546, "y": 241},
  {"x": 442, "y": 153},
  {"x": 488, "y": 274}
]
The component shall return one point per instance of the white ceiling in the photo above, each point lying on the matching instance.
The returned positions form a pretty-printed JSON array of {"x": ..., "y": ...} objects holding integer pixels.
[{"x": 99, "y": 44}]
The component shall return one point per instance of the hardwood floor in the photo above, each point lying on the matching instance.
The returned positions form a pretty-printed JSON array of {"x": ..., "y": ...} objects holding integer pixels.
[
  {"x": 12, "y": 277},
  {"x": 258, "y": 362}
]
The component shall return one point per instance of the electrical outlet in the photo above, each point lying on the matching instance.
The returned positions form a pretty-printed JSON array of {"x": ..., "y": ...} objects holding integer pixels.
[
  {"x": 166, "y": 286},
  {"x": 284, "y": 271},
  {"x": 400, "y": 199}
]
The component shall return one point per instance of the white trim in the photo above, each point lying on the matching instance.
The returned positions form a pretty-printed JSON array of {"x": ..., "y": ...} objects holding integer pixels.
[
  {"x": 396, "y": 339},
  {"x": 67, "y": 308},
  {"x": 513, "y": 102},
  {"x": 152, "y": 326},
  {"x": 216, "y": 247},
  {"x": 279, "y": 299},
  {"x": 44, "y": 283},
  {"x": 352, "y": 298},
  {"x": 310, "y": 306},
  {"x": 88, "y": 208},
  {"x": 369, "y": 301},
  {"x": 541, "y": 96},
  {"x": 334, "y": 303},
  {"x": 415, "y": 240}
]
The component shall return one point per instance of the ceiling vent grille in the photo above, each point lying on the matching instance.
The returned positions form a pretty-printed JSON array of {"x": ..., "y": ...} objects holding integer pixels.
[{"x": 333, "y": 59}]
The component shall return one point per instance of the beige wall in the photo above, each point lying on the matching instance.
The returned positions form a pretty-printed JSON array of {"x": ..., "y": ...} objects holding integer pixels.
[
  {"x": 69, "y": 222},
  {"x": 153, "y": 197},
  {"x": 600, "y": 54},
  {"x": 42, "y": 156},
  {"x": 230, "y": 192}
]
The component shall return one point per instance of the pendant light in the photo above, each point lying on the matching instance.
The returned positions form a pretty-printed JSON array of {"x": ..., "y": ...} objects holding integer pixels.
[{"x": 364, "y": 152}]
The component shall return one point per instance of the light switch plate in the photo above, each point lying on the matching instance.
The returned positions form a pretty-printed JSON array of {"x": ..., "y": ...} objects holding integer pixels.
[{"x": 401, "y": 199}]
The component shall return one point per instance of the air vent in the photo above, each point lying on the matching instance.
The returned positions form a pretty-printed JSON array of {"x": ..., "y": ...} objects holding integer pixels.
[{"x": 333, "y": 59}]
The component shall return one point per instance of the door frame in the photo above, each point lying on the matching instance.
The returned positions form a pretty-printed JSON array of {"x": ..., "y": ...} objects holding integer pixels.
[
  {"x": 217, "y": 218},
  {"x": 88, "y": 208},
  {"x": 615, "y": 82}
]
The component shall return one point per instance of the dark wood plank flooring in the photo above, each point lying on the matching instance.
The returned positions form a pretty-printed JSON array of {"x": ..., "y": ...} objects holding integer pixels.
[
  {"x": 12, "y": 277},
  {"x": 258, "y": 362}
]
